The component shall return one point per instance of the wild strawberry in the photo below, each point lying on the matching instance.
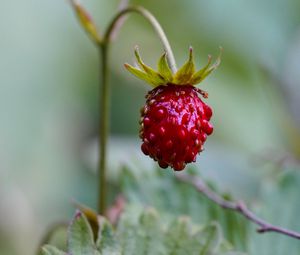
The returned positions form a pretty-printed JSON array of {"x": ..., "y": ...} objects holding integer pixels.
[{"x": 174, "y": 121}]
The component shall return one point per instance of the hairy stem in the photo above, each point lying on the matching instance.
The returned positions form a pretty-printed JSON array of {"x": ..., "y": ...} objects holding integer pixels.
[
  {"x": 111, "y": 31},
  {"x": 239, "y": 207}
]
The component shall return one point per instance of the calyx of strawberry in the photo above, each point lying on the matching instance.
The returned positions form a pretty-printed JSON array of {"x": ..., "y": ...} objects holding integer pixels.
[{"x": 186, "y": 74}]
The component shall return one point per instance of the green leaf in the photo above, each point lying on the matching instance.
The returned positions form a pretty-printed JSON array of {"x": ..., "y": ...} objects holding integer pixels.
[
  {"x": 144, "y": 231},
  {"x": 185, "y": 73},
  {"x": 179, "y": 240},
  {"x": 80, "y": 238},
  {"x": 182, "y": 239},
  {"x": 51, "y": 250},
  {"x": 147, "y": 232},
  {"x": 140, "y": 232},
  {"x": 164, "y": 192},
  {"x": 164, "y": 69},
  {"x": 107, "y": 243},
  {"x": 86, "y": 21},
  {"x": 212, "y": 236},
  {"x": 90, "y": 214},
  {"x": 58, "y": 236},
  {"x": 279, "y": 203}
]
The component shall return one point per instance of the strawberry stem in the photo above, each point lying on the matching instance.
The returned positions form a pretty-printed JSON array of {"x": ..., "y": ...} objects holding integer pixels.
[
  {"x": 103, "y": 45},
  {"x": 115, "y": 25},
  {"x": 103, "y": 126}
]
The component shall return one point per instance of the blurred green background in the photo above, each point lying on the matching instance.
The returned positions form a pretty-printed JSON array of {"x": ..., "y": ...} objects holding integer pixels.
[{"x": 49, "y": 72}]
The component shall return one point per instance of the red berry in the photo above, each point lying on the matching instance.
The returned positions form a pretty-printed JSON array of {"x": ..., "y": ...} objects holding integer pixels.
[{"x": 174, "y": 125}]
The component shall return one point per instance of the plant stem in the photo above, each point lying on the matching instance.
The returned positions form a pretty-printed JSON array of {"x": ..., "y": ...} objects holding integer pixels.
[
  {"x": 104, "y": 126},
  {"x": 239, "y": 207},
  {"x": 113, "y": 27},
  {"x": 154, "y": 23}
]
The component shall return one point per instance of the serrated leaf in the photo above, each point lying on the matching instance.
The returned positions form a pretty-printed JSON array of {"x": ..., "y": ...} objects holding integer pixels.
[
  {"x": 51, "y": 250},
  {"x": 178, "y": 239},
  {"x": 164, "y": 69},
  {"x": 86, "y": 21},
  {"x": 144, "y": 231},
  {"x": 185, "y": 73},
  {"x": 166, "y": 193},
  {"x": 149, "y": 238},
  {"x": 153, "y": 235},
  {"x": 106, "y": 242},
  {"x": 80, "y": 238},
  {"x": 90, "y": 214},
  {"x": 140, "y": 232},
  {"x": 212, "y": 236}
]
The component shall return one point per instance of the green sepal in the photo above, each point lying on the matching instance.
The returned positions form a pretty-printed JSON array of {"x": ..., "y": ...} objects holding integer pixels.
[
  {"x": 140, "y": 74},
  {"x": 164, "y": 69},
  {"x": 197, "y": 77},
  {"x": 204, "y": 72},
  {"x": 155, "y": 76},
  {"x": 185, "y": 73},
  {"x": 147, "y": 74}
]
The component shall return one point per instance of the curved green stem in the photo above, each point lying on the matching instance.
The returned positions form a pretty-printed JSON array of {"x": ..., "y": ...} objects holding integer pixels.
[
  {"x": 155, "y": 24},
  {"x": 105, "y": 90}
]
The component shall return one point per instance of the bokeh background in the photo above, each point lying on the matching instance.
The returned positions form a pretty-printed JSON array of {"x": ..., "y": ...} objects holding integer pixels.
[{"x": 49, "y": 93}]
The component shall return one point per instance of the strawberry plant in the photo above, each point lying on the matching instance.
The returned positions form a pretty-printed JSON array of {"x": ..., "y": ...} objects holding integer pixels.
[
  {"x": 142, "y": 231},
  {"x": 174, "y": 125}
]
